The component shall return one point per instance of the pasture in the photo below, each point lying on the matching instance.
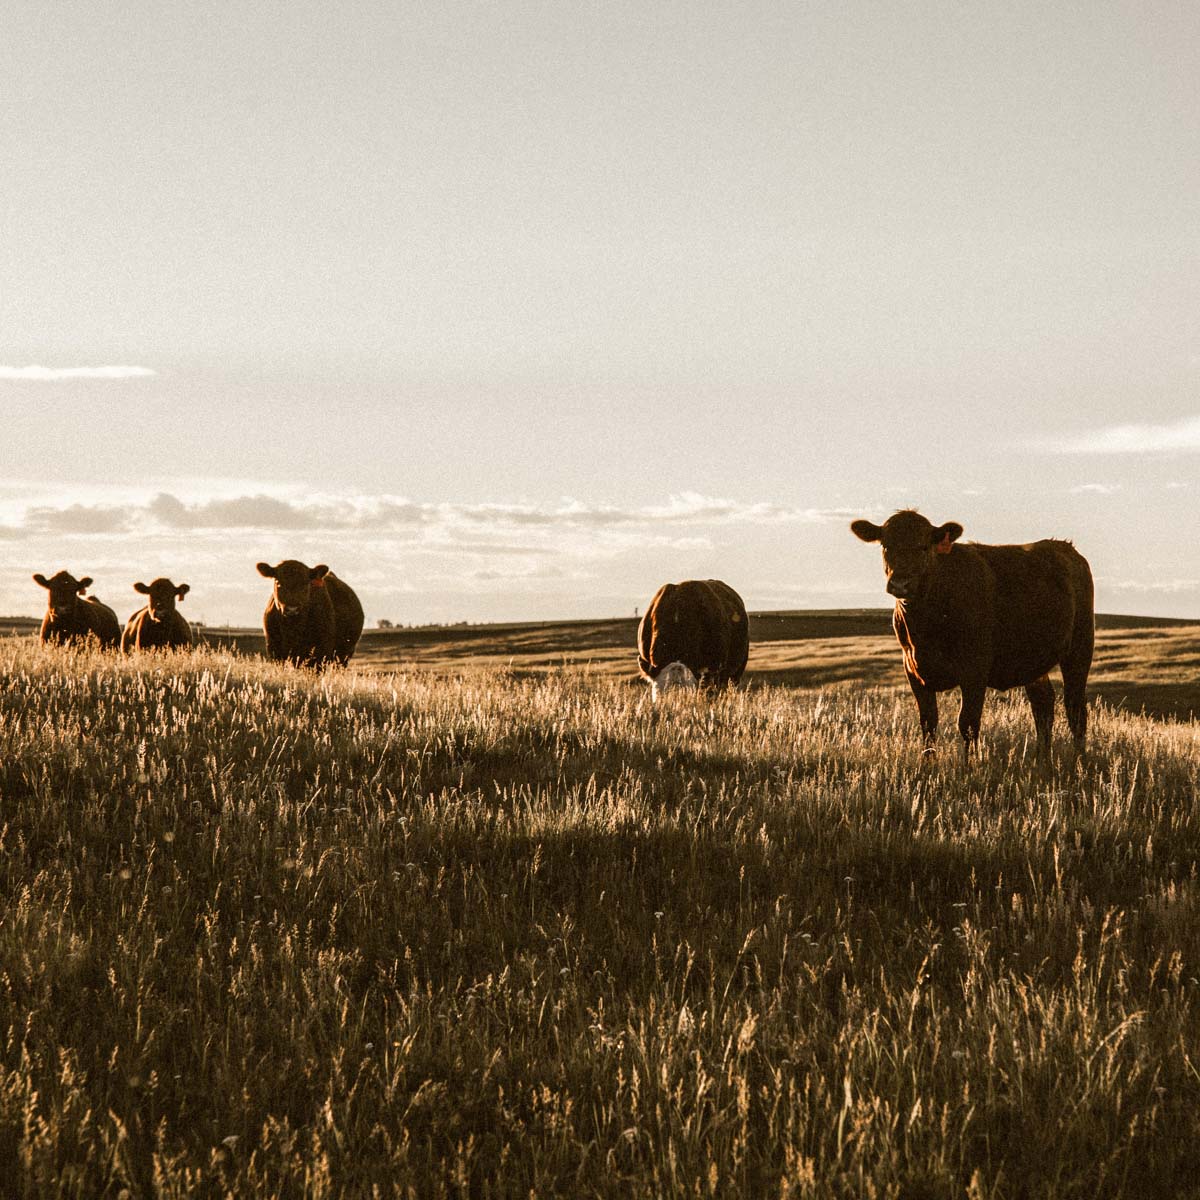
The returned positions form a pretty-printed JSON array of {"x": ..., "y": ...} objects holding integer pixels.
[{"x": 489, "y": 924}]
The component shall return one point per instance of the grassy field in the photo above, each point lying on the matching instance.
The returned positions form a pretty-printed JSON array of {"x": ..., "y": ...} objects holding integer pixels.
[
  {"x": 1142, "y": 664},
  {"x": 468, "y": 931}
]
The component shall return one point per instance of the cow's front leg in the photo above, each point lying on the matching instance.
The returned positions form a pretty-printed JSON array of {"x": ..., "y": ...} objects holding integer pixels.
[
  {"x": 970, "y": 714},
  {"x": 927, "y": 707}
]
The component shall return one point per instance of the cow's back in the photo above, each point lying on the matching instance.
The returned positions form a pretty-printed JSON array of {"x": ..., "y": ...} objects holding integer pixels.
[
  {"x": 131, "y": 637},
  {"x": 180, "y": 635},
  {"x": 699, "y": 622},
  {"x": 100, "y": 620},
  {"x": 1042, "y": 605},
  {"x": 347, "y": 616}
]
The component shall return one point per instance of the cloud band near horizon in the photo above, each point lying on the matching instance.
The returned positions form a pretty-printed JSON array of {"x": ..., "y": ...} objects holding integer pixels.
[{"x": 390, "y": 514}]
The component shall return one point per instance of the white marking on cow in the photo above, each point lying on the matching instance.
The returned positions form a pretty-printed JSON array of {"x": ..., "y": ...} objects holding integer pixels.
[{"x": 673, "y": 675}]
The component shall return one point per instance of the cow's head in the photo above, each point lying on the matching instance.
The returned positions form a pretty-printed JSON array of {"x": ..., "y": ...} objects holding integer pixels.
[
  {"x": 911, "y": 546},
  {"x": 674, "y": 675},
  {"x": 162, "y": 595},
  {"x": 64, "y": 590},
  {"x": 294, "y": 583}
]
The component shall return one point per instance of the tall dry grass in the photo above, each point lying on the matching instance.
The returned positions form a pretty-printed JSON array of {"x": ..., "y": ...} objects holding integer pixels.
[{"x": 267, "y": 933}]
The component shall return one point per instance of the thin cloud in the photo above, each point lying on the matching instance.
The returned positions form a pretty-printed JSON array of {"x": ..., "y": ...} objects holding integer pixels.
[
  {"x": 1160, "y": 587},
  {"x": 77, "y": 519},
  {"x": 692, "y": 507},
  {"x": 241, "y": 512},
  {"x": 1172, "y": 437},
  {"x": 1094, "y": 489},
  {"x": 663, "y": 524},
  {"x": 54, "y": 374}
]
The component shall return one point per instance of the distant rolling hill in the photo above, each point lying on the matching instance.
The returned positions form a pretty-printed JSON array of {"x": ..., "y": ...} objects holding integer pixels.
[{"x": 1149, "y": 664}]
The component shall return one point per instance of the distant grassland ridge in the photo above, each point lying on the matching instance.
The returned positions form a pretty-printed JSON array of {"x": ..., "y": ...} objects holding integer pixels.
[
  {"x": 1144, "y": 664},
  {"x": 271, "y": 933}
]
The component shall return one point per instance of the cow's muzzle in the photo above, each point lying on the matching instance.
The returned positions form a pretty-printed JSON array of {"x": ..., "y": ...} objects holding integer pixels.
[{"x": 900, "y": 588}]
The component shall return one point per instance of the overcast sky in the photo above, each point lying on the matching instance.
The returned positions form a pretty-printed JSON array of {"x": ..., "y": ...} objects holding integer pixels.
[{"x": 519, "y": 310}]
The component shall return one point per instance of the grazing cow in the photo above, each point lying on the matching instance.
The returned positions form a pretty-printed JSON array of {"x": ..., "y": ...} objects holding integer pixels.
[
  {"x": 312, "y": 617},
  {"x": 974, "y": 616},
  {"x": 160, "y": 625},
  {"x": 73, "y": 617},
  {"x": 694, "y": 634}
]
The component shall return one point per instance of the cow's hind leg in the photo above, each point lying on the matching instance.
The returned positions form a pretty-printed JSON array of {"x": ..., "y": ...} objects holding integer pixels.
[
  {"x": 970, "y": 714},
  {"x": 1075, "y": 667},
  {"x": 1041, "y": 700}
]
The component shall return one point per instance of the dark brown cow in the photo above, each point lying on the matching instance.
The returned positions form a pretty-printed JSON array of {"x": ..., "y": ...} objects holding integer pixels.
[
  {"x": 312, "y": 617},
  {"x": 699, "y": 624},
  {"x": 160, "y": 625},
  {"x": 974, "y": 616},
  {"x": 73, "y": 617}
]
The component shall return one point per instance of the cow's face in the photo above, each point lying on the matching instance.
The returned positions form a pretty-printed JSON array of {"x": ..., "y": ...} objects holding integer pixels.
[
  {"x": 911, "y": 546},
  {"x": 64, "y": 590},
  {"x": 162, "y": 594},
  {"x": 294, "y": 583},
  {"x": 673, "y": 676}
]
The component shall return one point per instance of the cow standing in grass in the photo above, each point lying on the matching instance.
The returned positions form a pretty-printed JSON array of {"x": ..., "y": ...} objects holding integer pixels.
[
  {"x": 159, "y": 625},
  {"x": 312, "y": 618},
  {"x": 694, "y": 634},
  {"x": 73, "y": 617},
  {"x": 974, "y": 616}
]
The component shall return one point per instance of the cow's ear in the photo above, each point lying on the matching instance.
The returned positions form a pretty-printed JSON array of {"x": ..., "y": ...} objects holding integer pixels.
[
  {"x": 319, "y": 571},
  {"x": 267, "y": 570},
  {"x": 141, "y": 588},
  {"x": 183, "y": 589},
  {"x": 950, "y": 532},
  {"x": 83, "y": 585},
  {"x": 39, "y": 578},
  {"x": 866, "y": 531}
]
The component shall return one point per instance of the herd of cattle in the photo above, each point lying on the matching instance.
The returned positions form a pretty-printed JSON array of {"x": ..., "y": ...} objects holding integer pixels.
[
  {"x": 311, "y": 619},
  {"x": 968, "y": 616}
]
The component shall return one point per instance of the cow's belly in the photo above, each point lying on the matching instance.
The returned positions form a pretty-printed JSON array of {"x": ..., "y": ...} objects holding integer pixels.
[
  {"x": 942, "y": 671},
  {"x": 1019, "y": 672},
  {"x": 1024, "y": 651}
]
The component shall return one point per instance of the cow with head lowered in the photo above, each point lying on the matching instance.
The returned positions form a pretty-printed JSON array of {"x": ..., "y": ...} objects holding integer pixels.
[
  {"x": 159, "y": 625},
  {"x": 976, "y": 616},
  {"x": 73, "y": 617},
  {"x": 312, "y": 618},
  {"x": 694, "y": 634}
]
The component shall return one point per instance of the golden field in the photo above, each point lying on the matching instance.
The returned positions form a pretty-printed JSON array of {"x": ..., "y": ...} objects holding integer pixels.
[{"x": 485, "y": 926}]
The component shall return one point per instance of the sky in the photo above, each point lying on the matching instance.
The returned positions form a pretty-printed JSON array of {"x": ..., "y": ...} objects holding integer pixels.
[{"x": 518, "y": 311}]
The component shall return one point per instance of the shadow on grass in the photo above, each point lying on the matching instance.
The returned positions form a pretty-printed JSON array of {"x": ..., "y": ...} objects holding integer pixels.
[
  {"x": 615, "y": 901},
  {"x": 1162, "y": 701},
  {"x": 815, "y": 674}
]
